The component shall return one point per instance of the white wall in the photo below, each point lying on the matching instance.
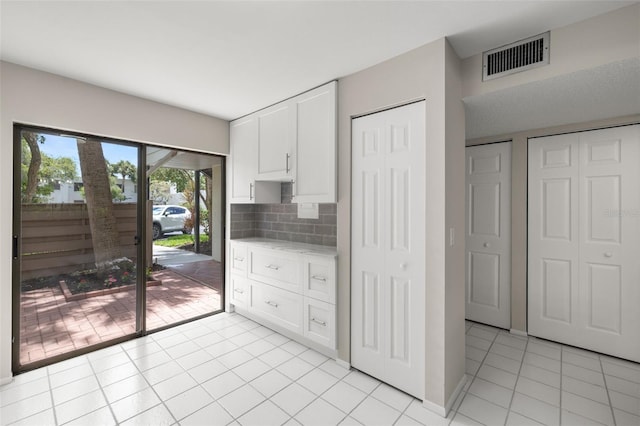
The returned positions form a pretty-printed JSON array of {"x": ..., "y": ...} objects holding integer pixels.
[
  {"x": 429, "y": 72},
  {"x": 33, "y": 97},
  {"x": 612, "y": 37}
]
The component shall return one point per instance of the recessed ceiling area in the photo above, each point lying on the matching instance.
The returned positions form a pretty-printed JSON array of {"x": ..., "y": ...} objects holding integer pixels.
[
  {"x": 607, "y": 91},
  {"x": 227, "y": 58}
]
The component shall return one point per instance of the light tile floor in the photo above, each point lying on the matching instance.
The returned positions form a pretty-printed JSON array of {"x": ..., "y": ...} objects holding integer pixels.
[{"x": 226, "y": 369}]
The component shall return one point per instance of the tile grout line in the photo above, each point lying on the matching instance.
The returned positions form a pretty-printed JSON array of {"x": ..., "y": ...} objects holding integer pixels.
[
  {"x": 53, "y": 403},
  {"x": 606, "y": 388},
  {"x": 561, "y": 363},
  {"x": 475, "y": 375},
  {"x": 515, "y": 385},
  {"x": 104, "y": 395},
  {"x": 162, "y": 402}
]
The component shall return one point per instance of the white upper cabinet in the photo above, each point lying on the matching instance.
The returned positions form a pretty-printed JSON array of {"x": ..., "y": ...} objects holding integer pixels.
[
  {"x": 292, "y": 141},
  {"x": 243, "y": 164},
  {"x": 275, "y": 143},
  {"x": 244, "y": 141},
  {"x": 315, "y": 124}
]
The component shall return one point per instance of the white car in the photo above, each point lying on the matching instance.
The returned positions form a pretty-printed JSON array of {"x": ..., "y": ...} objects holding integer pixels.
[{"x": 169, "y": 219}]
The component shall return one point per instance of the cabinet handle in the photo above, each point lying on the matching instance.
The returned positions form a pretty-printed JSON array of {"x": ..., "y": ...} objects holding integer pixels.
[
  {"x": 317, "y": 321},
  {"x": 274, "y": 267},
  {"x": 287, "y": 164},
  {"x": 251, "y": 191},
  {"x": 269, "y": 302},
  {"x": 239, "y": 259},
  {"x": 237, "y": 290},
  {"x": 608, "y": 254},
  {"x": 318, "y": 278}
]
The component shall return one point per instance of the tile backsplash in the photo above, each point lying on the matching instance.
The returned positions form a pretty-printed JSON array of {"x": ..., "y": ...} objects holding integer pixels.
[{"x": 280, "y": 221}]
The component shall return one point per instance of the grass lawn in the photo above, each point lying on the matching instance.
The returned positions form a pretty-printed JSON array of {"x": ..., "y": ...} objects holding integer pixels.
[{"x": 179, "y": 240}]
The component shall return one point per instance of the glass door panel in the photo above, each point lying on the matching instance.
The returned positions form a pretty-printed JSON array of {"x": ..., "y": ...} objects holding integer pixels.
[
  {"x": 186, "y": 237},
  {"x": 75, "y": 244}
]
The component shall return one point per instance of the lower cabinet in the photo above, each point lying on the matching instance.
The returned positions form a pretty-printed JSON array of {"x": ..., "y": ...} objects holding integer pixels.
[
  {"x": 319, "y": 322},
  {"x": 288, "y": 287},
  {"x": 239, "y": 294},
  {"x": 281, "y": 307}
]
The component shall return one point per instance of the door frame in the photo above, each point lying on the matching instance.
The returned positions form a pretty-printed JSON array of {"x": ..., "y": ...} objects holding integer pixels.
[{"x": 16, "y": 367}]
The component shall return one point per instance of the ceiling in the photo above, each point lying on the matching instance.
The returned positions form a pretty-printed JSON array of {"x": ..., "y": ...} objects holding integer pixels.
[
  {"x": 177, "y": 159},
  {"x": 227, "y": 59},
  {"x": 607, "y": 91}
]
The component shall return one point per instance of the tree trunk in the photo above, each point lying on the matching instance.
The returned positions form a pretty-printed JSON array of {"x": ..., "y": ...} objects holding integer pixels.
[
  {"x": 97, "y": 191},
  {"x": 209, "y": 203},
  {"x": 34, "y": 166}
]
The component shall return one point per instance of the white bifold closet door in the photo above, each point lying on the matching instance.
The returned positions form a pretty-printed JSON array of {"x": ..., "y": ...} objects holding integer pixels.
[
  {"x": 388, "y": 246},
  {"x": 488, "y": 239},
  {"x": 584, "y": 240}
]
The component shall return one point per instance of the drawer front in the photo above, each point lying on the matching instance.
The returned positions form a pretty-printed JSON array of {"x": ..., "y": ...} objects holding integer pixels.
[
  {"x": 278, "y": 306},
  {"x": 239, "y": 259},
  {"x": 275, "y": 267},
  {"x": 320, "y": 278},
  {"x": 239, "y": 290},
  {"x": 319, "y": 322}
]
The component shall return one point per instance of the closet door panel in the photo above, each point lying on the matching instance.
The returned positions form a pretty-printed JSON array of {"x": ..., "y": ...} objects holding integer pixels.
[
  {"x": 388, "y": 246},
  {"x": 584, "y": 240}
]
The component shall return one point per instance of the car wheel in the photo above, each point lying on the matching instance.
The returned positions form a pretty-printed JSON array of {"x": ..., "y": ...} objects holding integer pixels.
[{"x": 157, "y": 231}]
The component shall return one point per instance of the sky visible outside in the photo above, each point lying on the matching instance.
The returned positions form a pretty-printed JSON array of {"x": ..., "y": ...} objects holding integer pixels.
[{"x": 63, "y": 146}]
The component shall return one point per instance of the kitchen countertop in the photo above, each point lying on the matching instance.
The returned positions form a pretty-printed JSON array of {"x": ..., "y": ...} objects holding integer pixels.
[{"x": 289, "y": 246}]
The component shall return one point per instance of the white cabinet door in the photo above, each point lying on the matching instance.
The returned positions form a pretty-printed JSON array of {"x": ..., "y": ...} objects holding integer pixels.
[
  {"x": 319, "y": 322},
  {"x": 240, "y": 288},
  {"x": 243, "y": 163},
  {"x": 275, "y": 142},
  {"x": 584, "y": 240},
  {"x": 388, "y": 246},
  {"x": 243, "y": 135},
  {"x": 488, "y": 239},
  {"x": 315, "y": 113}
]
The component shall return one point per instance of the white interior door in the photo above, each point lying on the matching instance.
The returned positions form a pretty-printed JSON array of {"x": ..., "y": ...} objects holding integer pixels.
[
  {"x": 388, "y": 240},
  {"x": 488, "y": 239},
  {"x": 584, "y": 240}
]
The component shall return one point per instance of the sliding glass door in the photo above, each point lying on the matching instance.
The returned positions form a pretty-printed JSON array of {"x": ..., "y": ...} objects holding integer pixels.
[
  {"x": 111, "y": 240},
  {"x": 77, "y": 257}
]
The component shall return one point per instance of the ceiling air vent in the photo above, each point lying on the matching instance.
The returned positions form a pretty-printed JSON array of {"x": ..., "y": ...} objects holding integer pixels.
[{"x": 522, "y": 55}]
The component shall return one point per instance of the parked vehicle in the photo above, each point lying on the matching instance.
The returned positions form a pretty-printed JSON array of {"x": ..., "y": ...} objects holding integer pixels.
[{"x": 169, "y": 219}]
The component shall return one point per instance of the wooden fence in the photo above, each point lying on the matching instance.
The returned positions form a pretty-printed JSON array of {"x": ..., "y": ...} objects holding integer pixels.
[{"x": 56, "y": 238}]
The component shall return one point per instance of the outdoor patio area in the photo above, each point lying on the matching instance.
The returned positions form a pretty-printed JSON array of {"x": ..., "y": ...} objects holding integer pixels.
[{"x": 50, "y": 325}]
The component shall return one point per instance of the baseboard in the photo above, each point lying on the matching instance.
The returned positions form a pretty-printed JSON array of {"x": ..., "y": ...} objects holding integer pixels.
[
  {"x": 5, "y": 380},
  {"x": 343, "y": 363},
  {"x": 443, "y": 411},
  {"x": 518, "y": 332}
]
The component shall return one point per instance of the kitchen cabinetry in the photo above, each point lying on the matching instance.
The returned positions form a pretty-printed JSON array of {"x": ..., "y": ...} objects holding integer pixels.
[
  {"x": 243, "y": 187},
  {"x": 315, "y": 130},
  {"x": 292, "y": 141},
  {"x": 289, "y": 287},
  {"x": 275, "y": 143}
]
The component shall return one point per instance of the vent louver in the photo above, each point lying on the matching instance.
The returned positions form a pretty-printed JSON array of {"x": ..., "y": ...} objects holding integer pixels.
[{"x": 522, "y": 55}]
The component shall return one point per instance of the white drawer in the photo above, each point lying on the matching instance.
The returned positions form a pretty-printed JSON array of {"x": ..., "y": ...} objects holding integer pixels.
[
  {"x": 239, "y": 290},
  {"x": 319, "y": 322},
  {"x": 275, "y": 267},
  {"x": 239, "y": 259},
  {"x": 319, "y": 279},
  {"x": 278, "y": 306}
]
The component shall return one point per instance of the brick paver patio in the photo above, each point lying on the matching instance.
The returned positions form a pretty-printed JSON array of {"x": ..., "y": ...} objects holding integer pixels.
[{"x": 50, "y": 325}]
